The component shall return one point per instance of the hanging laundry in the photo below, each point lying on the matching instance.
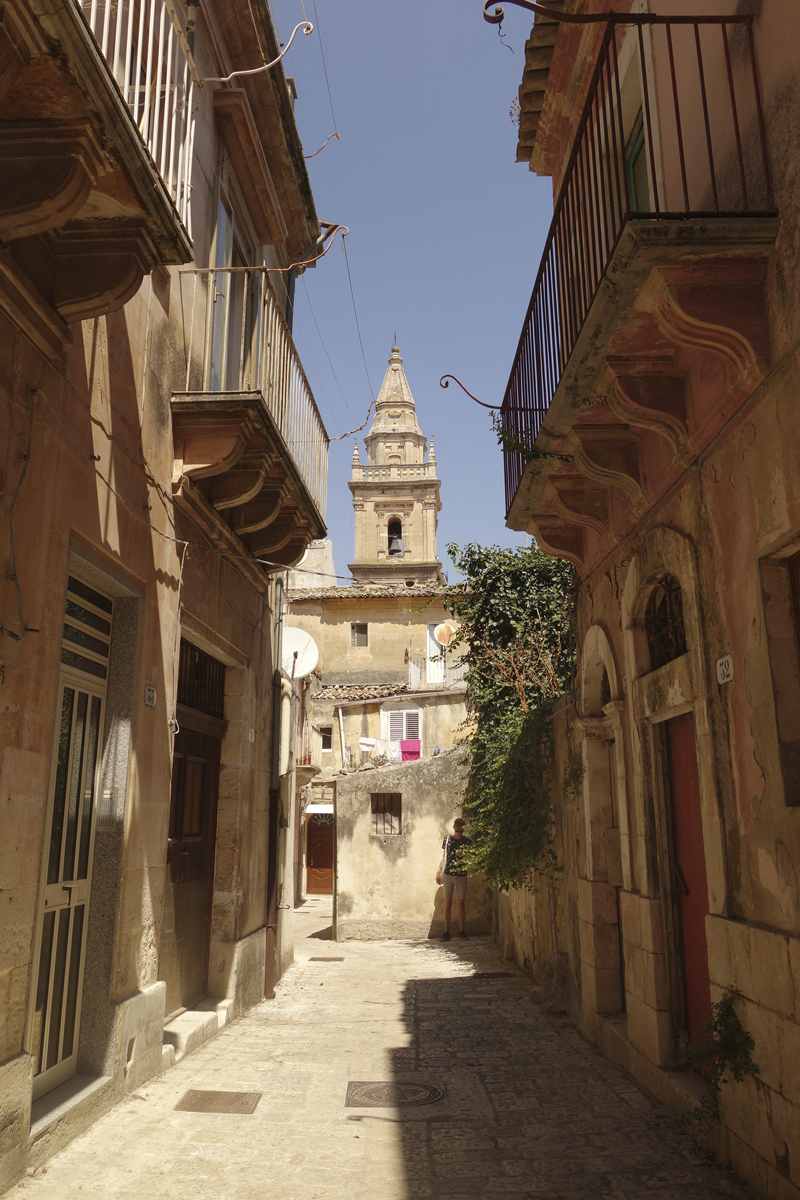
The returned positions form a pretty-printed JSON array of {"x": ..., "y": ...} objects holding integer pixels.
[{"x": 410, "y": 749}]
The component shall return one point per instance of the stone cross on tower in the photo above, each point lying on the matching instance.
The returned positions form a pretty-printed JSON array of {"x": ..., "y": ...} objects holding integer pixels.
[{"x": 396, "y": 492}]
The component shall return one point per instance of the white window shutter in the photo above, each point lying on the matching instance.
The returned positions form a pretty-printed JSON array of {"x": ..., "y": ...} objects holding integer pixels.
[
  {"x": 396, "y": 727},
  {"x": 412, "y": 726}
]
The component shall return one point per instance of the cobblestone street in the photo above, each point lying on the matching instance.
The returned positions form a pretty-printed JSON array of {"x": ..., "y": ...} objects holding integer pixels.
[{"x": 529, "y": 1109}]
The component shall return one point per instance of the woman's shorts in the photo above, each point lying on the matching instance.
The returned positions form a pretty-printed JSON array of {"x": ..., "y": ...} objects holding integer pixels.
[{"x": 455, "y": 883}]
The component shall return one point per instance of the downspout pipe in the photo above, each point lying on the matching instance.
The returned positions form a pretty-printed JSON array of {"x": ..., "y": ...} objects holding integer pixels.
[{"x": 274, "y": 801}]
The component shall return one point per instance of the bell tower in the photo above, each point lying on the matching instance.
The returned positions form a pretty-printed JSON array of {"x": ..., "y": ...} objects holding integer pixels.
[{"x": 395, "y": 492}]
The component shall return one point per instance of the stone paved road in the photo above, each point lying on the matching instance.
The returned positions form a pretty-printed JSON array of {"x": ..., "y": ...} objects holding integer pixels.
[{"x": 529, "y": 1109}]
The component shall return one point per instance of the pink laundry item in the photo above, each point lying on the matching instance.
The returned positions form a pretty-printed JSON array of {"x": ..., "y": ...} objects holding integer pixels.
[{"x": 410, "y": 749}]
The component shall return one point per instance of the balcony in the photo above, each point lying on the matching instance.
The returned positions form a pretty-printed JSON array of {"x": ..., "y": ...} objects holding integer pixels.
[
  {"x": 86, "y": 210},
  {"x": 251, "y": 450},
  {"x": 308, "y": 756},
  {"x": 657, "y": 248},
  {"x": 147, "y": 43},
  {"x": 435, "y": 673}
]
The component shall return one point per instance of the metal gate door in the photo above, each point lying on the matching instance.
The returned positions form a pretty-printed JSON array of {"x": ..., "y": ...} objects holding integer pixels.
[{"x": 69, "y": 837}]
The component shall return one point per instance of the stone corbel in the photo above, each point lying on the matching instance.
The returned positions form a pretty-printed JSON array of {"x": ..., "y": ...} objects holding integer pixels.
[
  {"x": 609, "y": 455},
  {"x": 718, "y": 307},
  {"x": 257, "y": 514},
  {"x": 238, "y": 487},
  {"x": 49, "y": 169},
  {"x": 581, "y": 504},
  {"x": 596, "y": 727},
  {"x": 649, "y": 394},
  {"x": 207, "y": 445},
  {"x": 560, "y": 539},
  {"x": 97, "y": 266},
  {"x": 277, "y": 536}
]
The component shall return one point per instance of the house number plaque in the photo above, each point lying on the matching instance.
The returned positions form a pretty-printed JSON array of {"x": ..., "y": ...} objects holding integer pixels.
[
  {"x": 725, "y": 669},
  {"x": 150, "y": 695}
]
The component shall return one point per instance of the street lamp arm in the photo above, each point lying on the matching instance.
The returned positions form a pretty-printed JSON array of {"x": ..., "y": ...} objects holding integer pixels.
[{"x": 443, "y": 382}]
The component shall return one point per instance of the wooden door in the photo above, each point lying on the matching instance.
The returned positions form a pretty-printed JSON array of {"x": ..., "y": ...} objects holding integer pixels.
[
  {"x": 319, "y": 860},
  {"x": 690, "y": 882},
  {"x": 190, "y": 868}
]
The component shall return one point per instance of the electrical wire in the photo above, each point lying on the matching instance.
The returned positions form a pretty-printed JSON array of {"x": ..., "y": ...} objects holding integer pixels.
[
  {"x": 224, "y": 555},
  {"x": 299, "y": 327},
  {"x": 325, "y": 348},
  {"x": 355, "y": 314},
  {"x": 325, "y": 69}
]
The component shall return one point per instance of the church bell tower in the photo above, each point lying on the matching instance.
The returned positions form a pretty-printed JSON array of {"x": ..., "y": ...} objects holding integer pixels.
[{"x": 396, "y": 492}]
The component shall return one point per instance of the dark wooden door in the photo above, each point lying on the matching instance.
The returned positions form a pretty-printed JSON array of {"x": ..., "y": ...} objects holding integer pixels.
[
  {"x": 690, "y": 881},
  {"x": 190, "y": 868},
  {"x": 319, "y": 860}
]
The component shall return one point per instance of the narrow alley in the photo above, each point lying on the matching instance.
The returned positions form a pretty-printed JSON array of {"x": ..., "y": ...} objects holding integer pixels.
[{"x": 527, "y": 1109}]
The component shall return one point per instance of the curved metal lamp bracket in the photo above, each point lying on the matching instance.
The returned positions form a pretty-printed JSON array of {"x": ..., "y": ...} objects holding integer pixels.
[
  {"x": 443, "y": 382},
  {"x": 541, "y": 10}
]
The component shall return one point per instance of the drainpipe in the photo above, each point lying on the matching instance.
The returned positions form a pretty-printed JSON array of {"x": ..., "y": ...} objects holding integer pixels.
[
  {"x": 341, "y": 735},
  {"x": 274, "y": 800}
]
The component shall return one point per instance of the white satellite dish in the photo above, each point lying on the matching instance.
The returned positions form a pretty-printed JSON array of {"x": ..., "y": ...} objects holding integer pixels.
[
  {"x": 299, "y": 652},
  {"x": 445, "y": 634}
]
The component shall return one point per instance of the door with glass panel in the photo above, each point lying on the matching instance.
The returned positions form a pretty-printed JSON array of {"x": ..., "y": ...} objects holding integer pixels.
[
  {"x": 69, "y": 836},
  {"x": 233, "y": 307}
]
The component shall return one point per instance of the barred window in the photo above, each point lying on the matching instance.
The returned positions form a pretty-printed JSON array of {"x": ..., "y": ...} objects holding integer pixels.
[
  {"x": 387, "y": 809},
  {"x": 663, "y": 621},
  {"x": 201, "y": 681}
]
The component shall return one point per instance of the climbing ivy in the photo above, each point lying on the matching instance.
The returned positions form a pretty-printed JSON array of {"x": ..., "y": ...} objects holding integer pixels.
[
  {"x": 722, "y": 1053},
  {"x": 514, "y": 609}
]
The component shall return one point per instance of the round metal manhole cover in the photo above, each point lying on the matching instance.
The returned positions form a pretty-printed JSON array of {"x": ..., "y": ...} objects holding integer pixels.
[{"x": 391, "y": 1095}]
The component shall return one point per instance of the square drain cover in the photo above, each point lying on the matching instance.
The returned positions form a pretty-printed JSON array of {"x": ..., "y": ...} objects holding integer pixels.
[
  {"x": 242, "y": 1103},
  {"x": 391, "y": 1095},
  {"x": 326, "y": 960}
]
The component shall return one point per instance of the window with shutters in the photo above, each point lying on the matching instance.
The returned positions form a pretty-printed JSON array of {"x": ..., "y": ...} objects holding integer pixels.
[
  {"x": 358, "y": 635},
  {"x": 326, "y": 732},
  {"x": 387, "y": 812},
  {"x": 404, "y": 725}
]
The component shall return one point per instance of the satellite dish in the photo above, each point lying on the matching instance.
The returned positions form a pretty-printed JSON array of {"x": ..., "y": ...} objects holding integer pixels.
[
  {"x": 299, "y": 653},
  {"x": 445, "y": 634}
]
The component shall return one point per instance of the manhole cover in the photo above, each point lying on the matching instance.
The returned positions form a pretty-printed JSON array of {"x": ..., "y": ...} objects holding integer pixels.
[
  {"x": 242, "y": 1103},
  {"x": 326, "y": 960},
  {"x": 391, "y": 1095}
]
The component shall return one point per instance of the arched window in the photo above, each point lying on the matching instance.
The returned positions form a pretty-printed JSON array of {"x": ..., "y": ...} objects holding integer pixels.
[
  {"x": 395, "y": 532},
  {"x": 663, "y": 622}
]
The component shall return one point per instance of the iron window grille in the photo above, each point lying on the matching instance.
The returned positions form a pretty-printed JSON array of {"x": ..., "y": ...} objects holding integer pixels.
[
  {"x": 387, "y": 810},
  {"x": 663, "y": 621},
  {"x": 201, "y": 681}
]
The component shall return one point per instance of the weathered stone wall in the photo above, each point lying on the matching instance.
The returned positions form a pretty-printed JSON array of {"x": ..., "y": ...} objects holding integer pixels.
[{"x": 385, "y": 884}]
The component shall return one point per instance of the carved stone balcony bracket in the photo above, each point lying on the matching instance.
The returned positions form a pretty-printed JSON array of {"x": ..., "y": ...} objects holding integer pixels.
[
  {"x": 243, "y": 476},
  {"x": 49, "y": 168},
  {"x": 20, "y": 40},
  {"x": 674, "y": 342}
]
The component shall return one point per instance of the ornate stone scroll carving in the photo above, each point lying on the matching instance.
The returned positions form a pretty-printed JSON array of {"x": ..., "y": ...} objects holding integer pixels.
[{"x": 48, "y": 169}]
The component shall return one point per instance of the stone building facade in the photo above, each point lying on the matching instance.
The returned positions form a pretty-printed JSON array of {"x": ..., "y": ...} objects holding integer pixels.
[
  {"x": 386, "y": 688},
  {"x": 656, "y": 379},
  {"x": 154, "y": 482}
]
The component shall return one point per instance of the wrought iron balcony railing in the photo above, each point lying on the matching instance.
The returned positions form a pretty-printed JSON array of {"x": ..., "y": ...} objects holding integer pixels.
[
  {"x": 672, "y": 128},
  {"x": 238, "y": 342},
  {"x": 309, "y": 747},
  {"x": 145, "y": 48}
]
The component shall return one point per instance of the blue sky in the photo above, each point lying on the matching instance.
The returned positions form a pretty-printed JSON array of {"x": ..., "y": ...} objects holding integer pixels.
[{"x": 446, "y": 231}]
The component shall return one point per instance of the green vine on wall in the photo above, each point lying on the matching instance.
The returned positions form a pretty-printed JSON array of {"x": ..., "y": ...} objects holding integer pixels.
[
  {"x": 722, "y": 1054},
  {"x": 516, "y": 629}
]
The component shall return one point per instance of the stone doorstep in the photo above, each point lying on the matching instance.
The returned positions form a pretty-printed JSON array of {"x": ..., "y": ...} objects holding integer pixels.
[
  {"x": 192, "y": 1029},
  {"x": 69, "y": 1100}
]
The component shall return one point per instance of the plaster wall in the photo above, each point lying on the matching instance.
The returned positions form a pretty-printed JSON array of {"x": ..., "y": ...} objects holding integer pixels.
[{"x": 384, "y": 884}]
